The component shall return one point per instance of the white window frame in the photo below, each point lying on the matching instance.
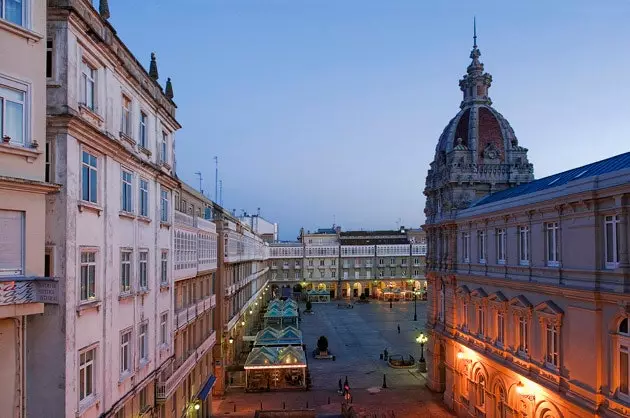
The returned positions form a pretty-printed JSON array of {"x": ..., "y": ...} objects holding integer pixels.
[
  {"x": 481, "y": 391},
  {"x": 523, "y": 247},
  {"x": 164, "y": 203},
  {"x": 125, "y": 355},
  {"x": 143, "y": 130},
  {"x": 143, "y": 197},
  {"x": 164, "y": 268},
  {"x": 501, "y": 245},
  {"x": 164, "y": 148},
  {"x": 522, "y": 334},
  {"x": 86, "y": 266},
  {"x": 50, "y": 57},
  {"x": 49, "y": 175},
  {"x": 552, "y": 345},
  {"x": 92, "y": 172},
  {"x": 611, "y": 255},
  {"x": 88, "y": 79},
  {"x": 551, "y": 235},
  {"x": 464, "y": 314},
  {"x": 125, "y": 271},
  {"x": 126, "y": 190},
  {"x": 143, "y": 342},
  {"x": 126, "y": 110},
  {"x": 23, "y": 88},
  {"x": 164, "y": 328},
  {"x": 20, "y": 223},
  {"x": 481, "y": 244},
  {"x": 143, "y": 270},
  {"x": 466, "y": 247},
  {"x": 25, "y": 18},
  {"x": 481, "y": 320},
  {"x": 84, "y": 371},
  {"x": 500, "y": 328}
]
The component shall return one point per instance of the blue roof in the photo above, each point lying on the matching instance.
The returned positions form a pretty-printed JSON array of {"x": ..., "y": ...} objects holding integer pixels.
[
  {"x": 326, "y": 231},
  {"x": 608, "y": 165}
]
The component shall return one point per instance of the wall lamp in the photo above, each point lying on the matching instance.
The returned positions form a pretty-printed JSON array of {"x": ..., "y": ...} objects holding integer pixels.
[
  {"x": 231, "y": 340},
  {"x": 521, "y": 390}
]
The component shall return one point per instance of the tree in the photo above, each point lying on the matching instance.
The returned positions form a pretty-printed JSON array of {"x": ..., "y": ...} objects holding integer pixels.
[
  {"x": 322, "y": 344},
  {"x": 309, "y": 305}
]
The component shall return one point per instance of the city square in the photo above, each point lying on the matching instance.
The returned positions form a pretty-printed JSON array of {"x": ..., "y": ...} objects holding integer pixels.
[{"x": 357, "y": 338}]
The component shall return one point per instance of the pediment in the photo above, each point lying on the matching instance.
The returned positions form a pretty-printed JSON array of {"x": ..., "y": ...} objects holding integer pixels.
[
  {"x": 463, "y": 290},
  {"x": 497, "y": 296},
  {"x": 479, "y": 293},
  {"x": 549, "y": 308},
  {"x": 520, "y": 301}
]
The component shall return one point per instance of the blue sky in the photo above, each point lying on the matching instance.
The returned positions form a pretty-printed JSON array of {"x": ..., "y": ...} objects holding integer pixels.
[{"x": 330, "y": 110}]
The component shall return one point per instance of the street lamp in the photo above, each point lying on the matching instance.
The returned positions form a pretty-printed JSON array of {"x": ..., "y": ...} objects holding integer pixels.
[
  {"x": 422, "y": 339},
  {"x": 415, "y": 304}
]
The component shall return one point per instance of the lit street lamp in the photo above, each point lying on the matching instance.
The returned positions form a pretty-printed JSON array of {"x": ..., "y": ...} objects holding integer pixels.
[{"x": 422, "y": 339}]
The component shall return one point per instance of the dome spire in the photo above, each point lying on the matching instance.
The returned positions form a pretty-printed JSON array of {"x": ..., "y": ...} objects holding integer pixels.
[
  {"x": 475, "y": 83},
  {"x": 475, "y": 32}
]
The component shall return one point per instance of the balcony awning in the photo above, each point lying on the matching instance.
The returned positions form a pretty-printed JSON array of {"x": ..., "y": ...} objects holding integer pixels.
[{"x": 205, "y": 390}]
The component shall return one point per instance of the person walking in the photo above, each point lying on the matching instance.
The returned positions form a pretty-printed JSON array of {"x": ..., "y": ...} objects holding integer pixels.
[
  {"x": 399, "y": 328},
  {"x": 340, "y": 387}
]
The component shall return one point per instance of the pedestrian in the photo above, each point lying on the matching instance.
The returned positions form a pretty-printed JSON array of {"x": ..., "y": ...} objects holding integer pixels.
[
  {"x": 340, "y": 387},
  {"x": 346, "y": 382},
  {"x": 399, "y": 328}
]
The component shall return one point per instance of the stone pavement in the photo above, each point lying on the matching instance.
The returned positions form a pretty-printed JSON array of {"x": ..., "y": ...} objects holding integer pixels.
[{"x": 356, "y": 337}]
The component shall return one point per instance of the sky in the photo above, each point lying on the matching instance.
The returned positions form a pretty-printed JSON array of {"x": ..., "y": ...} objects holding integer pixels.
[{"x": 329, "y": 111}]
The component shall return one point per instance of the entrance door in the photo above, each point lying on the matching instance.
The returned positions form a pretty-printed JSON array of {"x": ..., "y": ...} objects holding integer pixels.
[
  {"x": 355, "y": 292},
  {"x": 367, "y": 292}
]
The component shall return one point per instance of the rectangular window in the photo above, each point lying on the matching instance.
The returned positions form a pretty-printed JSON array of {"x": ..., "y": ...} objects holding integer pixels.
[
  {"x": 164, "y": 206},
  {"x": 13, "y": 11},
  {"x": 481, "y": 246},
  {"x": 142, "y": 271},
  {"x": 466, "y": 247},
  {"x": 143, "y": 342},
  {"x": 481, "y": 320},
  {"x": 164, "y": 148},
  {"x": 86, "y": 373},
  {"x": 89, "y": 178},
  {"x": 144, "y": 198},
  {"x": 464, "y": 314},
  {"x": 523, "y": 241},
  {"x": 552, "y": 345},
  {"x": 164, "y": 328},
  {"x": 88, "y": 276},
  {"x": 88, "y": 81},
  {"x": 125, "y": 352},
  {"x": 334, "y": 274},
  {"x": 321, "y": 263},
  {"x": 144, "y": 399},
  {"x": 501, "y": 241},
  {"x": 12, "y": 114},
  {"x": 48, "y": 162},
  {"x": 553, "y": 259},
  {"x": 500, "y": 327},
  {"x": 125, "y": 271},
  {"x": 125, "y": 124},
  {"x": 612, "y": 241},
  {"x": 49, "y": 57},
  {"x": 125, "y": 196},
  {"x": 11, "y": 243},
  {"x": 624, "y": 370},
  {"x": 522, "y": 334},
  {"x": 381, "y": 262},
  {"x": 143, "y": 130},
  {"x": 164, "y": 269}
]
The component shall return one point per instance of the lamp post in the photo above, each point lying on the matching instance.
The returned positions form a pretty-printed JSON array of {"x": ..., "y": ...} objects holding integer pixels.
[
  {"x": 422, "y": 339},
  {"x": 415, "y": 305}
]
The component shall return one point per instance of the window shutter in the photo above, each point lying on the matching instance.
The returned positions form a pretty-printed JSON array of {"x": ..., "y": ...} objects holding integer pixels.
[{"x": 11, "y": 242}]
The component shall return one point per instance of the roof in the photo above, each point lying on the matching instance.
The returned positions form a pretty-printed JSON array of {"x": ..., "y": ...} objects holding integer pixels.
[
  {"x": 597, "y": 168},
  {"x": 274, "y": 357},
  {"x": 325, "y": 231}
]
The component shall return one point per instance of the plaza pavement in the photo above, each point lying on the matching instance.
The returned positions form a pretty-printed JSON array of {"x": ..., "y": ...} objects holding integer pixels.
[{"x": 356, "y": 337}]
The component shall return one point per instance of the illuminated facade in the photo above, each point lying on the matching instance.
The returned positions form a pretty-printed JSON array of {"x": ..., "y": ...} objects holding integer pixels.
[{"x": 528, "y": 280}]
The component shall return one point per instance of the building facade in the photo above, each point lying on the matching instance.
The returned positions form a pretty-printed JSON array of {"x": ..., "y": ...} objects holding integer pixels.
[
  {"x": 26, "y": 286},
  {"x": 528, "y": 280},
  {"x": 348, "y": 264}
]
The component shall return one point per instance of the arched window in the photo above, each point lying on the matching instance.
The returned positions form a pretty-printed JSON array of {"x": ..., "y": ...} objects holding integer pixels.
[
  {"x": 624, "y": 359},
  {"x": 481, "y": 390},
  {"x": 501, "y": 411}
]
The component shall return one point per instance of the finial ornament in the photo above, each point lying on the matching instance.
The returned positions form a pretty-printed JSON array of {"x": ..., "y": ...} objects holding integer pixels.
[
  {"x": 475, "y": 32},
  {"x": 103, "y": 9},
  {"x": 169, "y": 89},
  {"x": 153, "y": 71}
]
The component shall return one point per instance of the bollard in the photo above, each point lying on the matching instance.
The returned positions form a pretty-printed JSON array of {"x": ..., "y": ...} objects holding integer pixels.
[
  {"x": 234, "y": 407},
  {"x": 384, "y": 381},
  {"x": 261, "y": 408},
  {"x": 329, "y": 400},
  {"x": 284, "y": 405}
]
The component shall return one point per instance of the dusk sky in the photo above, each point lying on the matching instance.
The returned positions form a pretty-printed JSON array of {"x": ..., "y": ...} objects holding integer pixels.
[{"x": 330, "y": 110}]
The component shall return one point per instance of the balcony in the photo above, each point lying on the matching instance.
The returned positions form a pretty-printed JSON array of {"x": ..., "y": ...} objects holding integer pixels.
[
  {"x": 195, "y": 246},
  {"x": 285, "y": 267},
  {"x": 175, "y": 370},
  {"x": 298, "y": 266},
  {"x": 17, "y": 292},
  {"x": 274, "y": 267},
  {"x": 185, "y": 316}
]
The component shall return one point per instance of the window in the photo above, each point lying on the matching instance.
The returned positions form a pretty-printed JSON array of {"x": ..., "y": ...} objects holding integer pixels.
[
  {"x": 125, "y": 352},
  {"x": 416, "y": 261},
  {"x": 143, "y": 130},
  {"x": 164, "y": 328},
  {"x": 522, "y": 334},
  {"x": 144, "y": 198},
  {"x": 381, "y": 262},
  {"x": 164, "y": 148},
  {"x": 553, "y": 259},
  {"x": 88, "y": 276},
  {"x": 464, "y": 314},
  {"x": 624, "y": 362},
  {"x": 466, "y": 247},
  {"x": 12, "y": 114},
  {"x": 392, "y": 261},
  {"x": 551, "y": 351},
  {"x": 481, "y": 319},
  {"x": 297, "y": 275},
  {"x": 481, "y": 390},
  {"x": 125, "y": 271},
  {"x": 310, "y": 263},
  {"x": 334, "y": 274},
  {"x": 500, "y": 327},
  {"x": 501, "y": 246},
  {"x": 13, "y": 11},
  {"x": 126, "y": 201},
  {"x": 142, "y": 271},
  {"x": 612, "y": 241},
  {"x": 164, "y": 206},
  {"x": 125, "y": 124},
  {"x": 144, "y": 399},
  {"x": 89, "y": 178},
  {"x": 48, "y": 163},
  {"x": 143, "y": 342},
  {"x": 164, "y": 268},
  {"x": 11, "y": 243},
  {"x": 88, "y": 81},
  {"x": 523, "y": 241},
  {"x": 481, "y": 246},
  {"x": 86, "y": 373},
  {"x": 321, "y": 263},
  {"x": 49, "y": 58}
]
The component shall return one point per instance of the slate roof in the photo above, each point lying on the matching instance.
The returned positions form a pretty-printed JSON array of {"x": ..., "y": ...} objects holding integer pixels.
[{"x": 609, "y": 165}]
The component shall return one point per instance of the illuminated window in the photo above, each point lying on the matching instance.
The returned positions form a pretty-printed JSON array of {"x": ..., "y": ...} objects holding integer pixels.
[{"x": 624, "y": 362}]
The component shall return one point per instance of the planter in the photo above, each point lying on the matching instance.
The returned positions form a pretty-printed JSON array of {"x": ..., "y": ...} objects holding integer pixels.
[{"x": 422, "y": 366}]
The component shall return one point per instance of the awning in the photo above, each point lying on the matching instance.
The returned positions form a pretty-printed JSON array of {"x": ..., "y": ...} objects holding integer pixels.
[{"x": 205, "y": 390}]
